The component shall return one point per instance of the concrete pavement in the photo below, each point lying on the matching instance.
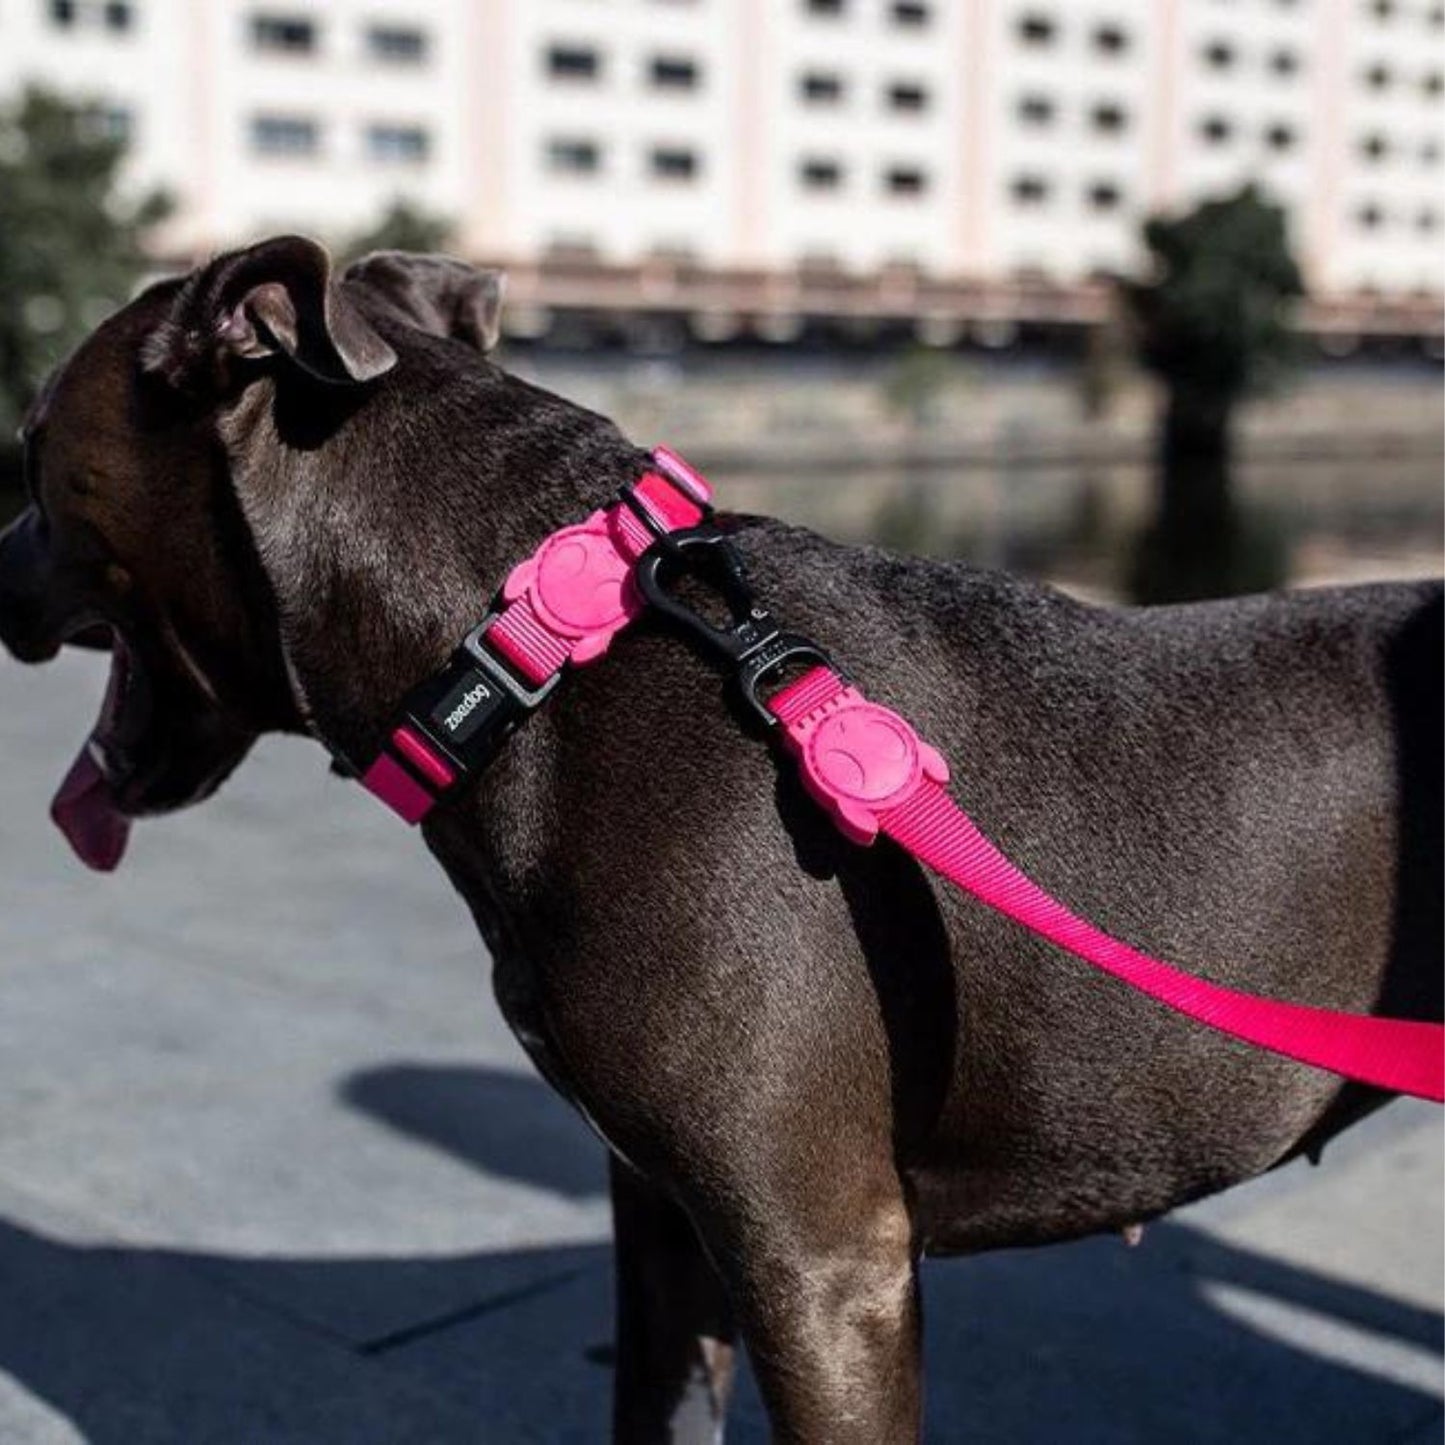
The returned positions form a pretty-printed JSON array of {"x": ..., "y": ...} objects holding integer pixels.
[{"x": 273, "y": 1170}]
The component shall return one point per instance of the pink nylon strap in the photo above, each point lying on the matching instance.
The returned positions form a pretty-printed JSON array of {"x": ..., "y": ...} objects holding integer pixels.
[
  {"x": 568, "y": 600},
  {"x": 867, "y": 766},
  {"x": 564, "y": 604}
]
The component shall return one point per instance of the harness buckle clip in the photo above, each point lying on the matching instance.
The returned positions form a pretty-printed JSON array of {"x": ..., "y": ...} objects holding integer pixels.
[
  {"x": 451, "y": 725},
  {"x": 751, "y": 639}
]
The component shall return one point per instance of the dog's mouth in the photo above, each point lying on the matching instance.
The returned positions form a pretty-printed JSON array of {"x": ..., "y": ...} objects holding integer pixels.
[
  {"x": 161, "y": 742},
  {"x": 88, "y": 806}
]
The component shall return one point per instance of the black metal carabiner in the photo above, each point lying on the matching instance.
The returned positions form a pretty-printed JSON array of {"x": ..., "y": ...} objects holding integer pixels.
[{"x": 752, "y": 641}]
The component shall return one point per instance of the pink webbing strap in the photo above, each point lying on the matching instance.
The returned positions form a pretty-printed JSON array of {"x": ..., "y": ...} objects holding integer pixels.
[
  {"x": 866, "y": 765},
  {"x": 564, "y": 604},
  {"x": 568, "y": 600}
]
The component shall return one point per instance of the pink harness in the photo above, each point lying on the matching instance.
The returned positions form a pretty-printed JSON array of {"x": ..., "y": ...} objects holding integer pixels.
[{"x": 862, "y": 762}]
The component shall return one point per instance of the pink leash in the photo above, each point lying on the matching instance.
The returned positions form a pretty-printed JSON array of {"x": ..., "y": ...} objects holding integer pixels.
[
  {"x": 868, "y": 768},
  {"x": 871, "y": 771}
]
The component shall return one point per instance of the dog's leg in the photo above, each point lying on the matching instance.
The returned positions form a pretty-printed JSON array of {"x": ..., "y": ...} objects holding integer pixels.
[
  {"x": 674, "y": 1324},
  {"x": 833, "y": 1328}
]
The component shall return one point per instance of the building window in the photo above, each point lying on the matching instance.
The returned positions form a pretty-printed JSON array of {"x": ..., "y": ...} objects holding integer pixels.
[
  {"x": 827, "y": 8},
  {"x": 1036, "y": 29},
  {"x": 114, "y": 15},
  {"x": 1432, "y": 84},
  {"x": 1219, "y": 55},
  {"x": 1109, "y": 117},
  {"x": 396, "y": 44},
  {"x": 285, "y": 135},
  {"x": 1377, "y": 77},
  {"x": 1111, "y": 39},
  {"x": 1428, "y": 221},
  {"x": 1430, "y": 151},
  {"x": 283, "y": 34},
  {"x": 911, "y": 13},
  {"x": 1104, "y": 196},
  {"x": 673, "y": 163},
  {"x": 1374, "y": 147},
  {"x": 1215, "y": 129},
  {"x": 574, "y": 156},
  {"x": 820, "y": 261},
  {"x": 821, "y": 87},
  {"x": 1284, "y": 62},
  {"x": 907, "y": 95},
  {"x": 673, "y": 72},
  {"x": 1030, "y": 190},
  {"x": 905, "y": 181},
  {"x": 407, "y": 145},
  {"x": 1279, "y": 136},
  {"x": 575, "y": 247},
  {"x": 1382, "y": 10},
  {"x": 819, "y": 174},
  {"x": 1370, "y": 217},
  {"x": 1036, "y": 110},
  {"x": 573, "y": 62}
]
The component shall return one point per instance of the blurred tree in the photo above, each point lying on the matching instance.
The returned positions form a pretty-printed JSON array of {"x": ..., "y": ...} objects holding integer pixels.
[
  {"x": 71, "y": 247},
  {"x": 403, "y": 226},
  {"x": 1212, "y": 324},
  {"x": 1103, "y": 368},
  {"x": 916, "y": 382}
]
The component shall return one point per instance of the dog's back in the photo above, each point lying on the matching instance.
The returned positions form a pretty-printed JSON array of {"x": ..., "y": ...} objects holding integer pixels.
[{"x": 1251, "y": 788}]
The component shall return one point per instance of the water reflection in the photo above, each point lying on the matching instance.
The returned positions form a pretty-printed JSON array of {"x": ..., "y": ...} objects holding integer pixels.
[{"x": 1339, "y": 518}]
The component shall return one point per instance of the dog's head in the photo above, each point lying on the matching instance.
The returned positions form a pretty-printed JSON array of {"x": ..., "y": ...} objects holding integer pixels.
[{"x": 135, "y": 538}]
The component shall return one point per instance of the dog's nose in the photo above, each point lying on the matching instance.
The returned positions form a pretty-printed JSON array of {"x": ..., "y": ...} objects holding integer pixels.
[{"x": 24, "y": 572}]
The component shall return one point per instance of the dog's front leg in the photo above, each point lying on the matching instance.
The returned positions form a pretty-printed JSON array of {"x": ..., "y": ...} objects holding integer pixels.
[
  {"x": 832, "y": 1325},
  {"x": 674, "y": 1324}
]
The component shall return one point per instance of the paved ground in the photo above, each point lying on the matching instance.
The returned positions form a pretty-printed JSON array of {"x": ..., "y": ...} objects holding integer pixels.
[{"x": 271, "y": 1169}]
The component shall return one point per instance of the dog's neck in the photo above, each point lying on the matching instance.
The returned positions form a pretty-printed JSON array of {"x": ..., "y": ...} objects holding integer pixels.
[{"x": 387, "y": 543}]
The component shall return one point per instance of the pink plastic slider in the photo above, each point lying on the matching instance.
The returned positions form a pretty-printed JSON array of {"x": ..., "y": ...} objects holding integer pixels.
[
  {"x": 859, "y": 759},
  {"x": 579, "y": 586}
]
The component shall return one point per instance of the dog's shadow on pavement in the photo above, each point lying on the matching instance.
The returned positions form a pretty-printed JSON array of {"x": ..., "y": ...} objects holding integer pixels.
[{"x": 1185, "y": 1339}]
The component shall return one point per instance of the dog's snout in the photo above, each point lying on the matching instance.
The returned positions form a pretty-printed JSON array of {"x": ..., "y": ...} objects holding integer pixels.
[{"x": 24, "y": 588}]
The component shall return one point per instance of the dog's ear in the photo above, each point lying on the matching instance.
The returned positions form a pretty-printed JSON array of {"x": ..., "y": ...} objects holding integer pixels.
[
  {"x": 274, "y": 299},
  {"x": 438, "y": 294}
]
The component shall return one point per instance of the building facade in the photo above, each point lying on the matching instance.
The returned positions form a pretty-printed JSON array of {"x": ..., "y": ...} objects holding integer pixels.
[{"x": 745, "y": 154}]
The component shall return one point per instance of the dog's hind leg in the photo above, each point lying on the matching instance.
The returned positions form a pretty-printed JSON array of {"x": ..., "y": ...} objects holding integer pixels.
[{"x": 674, "y": 1324}]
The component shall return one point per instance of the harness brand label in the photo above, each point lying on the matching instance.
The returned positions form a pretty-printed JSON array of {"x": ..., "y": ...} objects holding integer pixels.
[{"x": 463, "y": 710}]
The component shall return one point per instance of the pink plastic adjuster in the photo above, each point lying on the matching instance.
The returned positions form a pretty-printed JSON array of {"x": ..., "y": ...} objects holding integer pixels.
[
  {"x": 422, "y": 758},
  {"x": 683, "y": 475},
  {"x": 858, "y": 758},
  {"x": 579, "y": 586}
]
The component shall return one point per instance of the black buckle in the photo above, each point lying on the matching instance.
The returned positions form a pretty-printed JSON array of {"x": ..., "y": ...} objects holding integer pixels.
[
  {"x": 467, "y": 710},
  {"x": 526, "y": 697},
  {"x": 752, "y": 641}
]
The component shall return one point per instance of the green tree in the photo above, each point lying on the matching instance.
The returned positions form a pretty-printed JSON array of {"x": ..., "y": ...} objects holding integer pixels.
[
  {"x": 917, "y": 382},
  {"x": 1213, "y": 324},
  {"x": 403, "y": 226},
  {"x": 72, "y": 247}
]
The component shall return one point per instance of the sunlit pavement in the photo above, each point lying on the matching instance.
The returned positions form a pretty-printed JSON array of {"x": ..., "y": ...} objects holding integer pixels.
[{"x": 272, "y": 1169}]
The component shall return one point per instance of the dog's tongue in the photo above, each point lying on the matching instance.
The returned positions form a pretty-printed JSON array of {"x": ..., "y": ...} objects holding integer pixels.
[{"x": 84, "y": 810}]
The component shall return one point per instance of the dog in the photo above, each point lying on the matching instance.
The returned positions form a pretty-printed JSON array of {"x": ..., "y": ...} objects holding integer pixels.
[{"x": 280, "y": 496}]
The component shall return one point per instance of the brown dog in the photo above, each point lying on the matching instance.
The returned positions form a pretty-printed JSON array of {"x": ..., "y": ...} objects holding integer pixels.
[{"x": 284, "y": 499}]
